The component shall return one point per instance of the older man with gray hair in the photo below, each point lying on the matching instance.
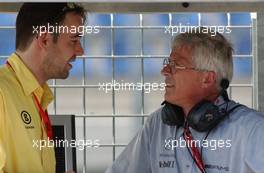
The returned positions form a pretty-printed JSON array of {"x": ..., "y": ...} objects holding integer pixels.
[{"x": 198, "y": 129}]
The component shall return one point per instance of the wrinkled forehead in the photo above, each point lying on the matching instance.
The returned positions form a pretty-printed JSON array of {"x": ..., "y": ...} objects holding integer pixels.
[{"x": 182, "y": 54}]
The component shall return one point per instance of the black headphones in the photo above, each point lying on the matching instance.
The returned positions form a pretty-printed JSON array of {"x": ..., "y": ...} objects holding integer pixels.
[{"x": 204, "y": 116}]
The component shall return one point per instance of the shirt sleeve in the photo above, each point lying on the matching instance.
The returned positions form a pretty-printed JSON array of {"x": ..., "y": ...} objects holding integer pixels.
[
  {"x": 254, "y": 156},
  {"x": 136, "y": 156},
  {"x": 2, "y": 152}
]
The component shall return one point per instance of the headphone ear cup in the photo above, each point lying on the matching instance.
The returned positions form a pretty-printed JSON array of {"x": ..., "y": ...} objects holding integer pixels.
[
  {"x": 204, "y": 116},
  {"x": 172, "y": 115}
]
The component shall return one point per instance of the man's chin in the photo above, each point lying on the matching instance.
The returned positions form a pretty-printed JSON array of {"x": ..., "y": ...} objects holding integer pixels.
[{"x": 64, "y": 75}]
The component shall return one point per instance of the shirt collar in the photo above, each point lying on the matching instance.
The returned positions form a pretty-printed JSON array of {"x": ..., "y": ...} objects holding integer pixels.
[{"x": 29, "y": 82}]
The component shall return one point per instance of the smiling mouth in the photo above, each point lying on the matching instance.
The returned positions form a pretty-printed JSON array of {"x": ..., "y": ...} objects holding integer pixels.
[
  {"x": 169, "y": 86},
  {"x": 71, "y": 61}
]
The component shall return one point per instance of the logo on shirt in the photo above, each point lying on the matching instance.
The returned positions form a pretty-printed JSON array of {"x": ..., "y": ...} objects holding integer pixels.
[
  {"x": 26, "y": 118},
  {"x": 167, "y": 164},
  {"x": 219, "y": 167}
]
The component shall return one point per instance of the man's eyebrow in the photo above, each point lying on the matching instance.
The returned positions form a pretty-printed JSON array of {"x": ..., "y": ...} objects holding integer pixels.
[{"x": 177, "y": 61}]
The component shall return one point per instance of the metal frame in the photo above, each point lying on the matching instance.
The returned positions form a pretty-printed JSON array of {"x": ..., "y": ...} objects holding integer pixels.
[
  {"x": 111, "y": 6},
  {"x": 260, "y": 56}
]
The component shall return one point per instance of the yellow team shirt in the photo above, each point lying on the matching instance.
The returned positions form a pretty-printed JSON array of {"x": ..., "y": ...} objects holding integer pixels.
[{"x": 20, "y": 123}]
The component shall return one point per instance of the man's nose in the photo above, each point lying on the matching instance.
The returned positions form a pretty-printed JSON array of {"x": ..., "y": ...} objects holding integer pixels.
[{"x": 166, "y": 70}]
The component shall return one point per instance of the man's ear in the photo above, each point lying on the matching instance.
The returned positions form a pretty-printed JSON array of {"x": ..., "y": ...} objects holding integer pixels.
[
  {"x": 43, "y": 40},
  {"x": 208, "y": 79}
]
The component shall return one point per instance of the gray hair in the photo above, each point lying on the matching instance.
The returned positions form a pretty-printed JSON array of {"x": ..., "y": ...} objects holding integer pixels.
[{"x": 210, "y": 53}]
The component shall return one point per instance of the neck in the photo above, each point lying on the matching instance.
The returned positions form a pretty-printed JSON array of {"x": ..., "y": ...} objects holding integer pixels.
[{"x": 31, "y": 62}]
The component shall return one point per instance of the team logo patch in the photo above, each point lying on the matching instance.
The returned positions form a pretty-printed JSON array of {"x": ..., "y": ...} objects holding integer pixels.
[{"x": 26, "y": 118}]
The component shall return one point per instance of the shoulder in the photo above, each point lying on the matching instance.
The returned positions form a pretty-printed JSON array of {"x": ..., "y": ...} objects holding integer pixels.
[
  {"x": 241, "y": 122},
  {"x": 3, "y": 71},
  {"x": 7, "y": 80},
  {"x": 3, "y": 75},
  {"x": 246, "y": 116},
  {"x": 252, "y": 120}
]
